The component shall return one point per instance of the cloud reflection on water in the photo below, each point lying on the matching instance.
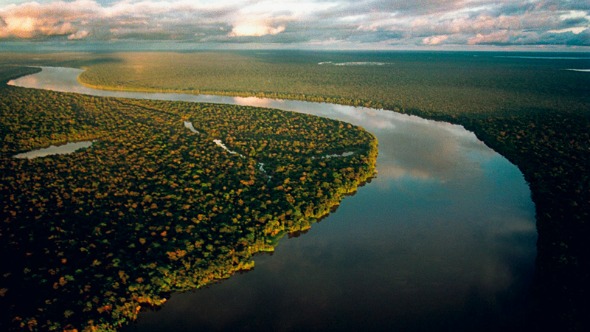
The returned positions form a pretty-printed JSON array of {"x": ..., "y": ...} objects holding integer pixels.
[
  {"x": 409, "y": 146},
  {"x": 441, "y": 236}
]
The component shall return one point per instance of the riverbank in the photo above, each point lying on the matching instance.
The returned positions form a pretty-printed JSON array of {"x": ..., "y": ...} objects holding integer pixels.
[
  {"x": 418, "y": 158},
  {"x": 533, "y": 111},
  {"x": 147, "y": 209}
]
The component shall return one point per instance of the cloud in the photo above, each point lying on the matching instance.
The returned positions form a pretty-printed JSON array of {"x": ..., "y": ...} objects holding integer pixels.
[
  {"x": 497, "y": 37},
  {"x": 34, "y": 20},
  {"x": 79, "y": 35},
  {"x": 255, "y": 29},
  {"x": 307, "y": 23},
  {"x": 574, "y": 30},
  {"x": 434, "y": 40}
]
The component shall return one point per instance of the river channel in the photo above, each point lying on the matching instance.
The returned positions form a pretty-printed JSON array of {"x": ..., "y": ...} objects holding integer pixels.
[{"x": 442, "y": 239}]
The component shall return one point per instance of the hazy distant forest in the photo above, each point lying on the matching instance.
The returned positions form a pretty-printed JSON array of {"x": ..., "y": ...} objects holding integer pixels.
[{"x": 532, "y": 111}]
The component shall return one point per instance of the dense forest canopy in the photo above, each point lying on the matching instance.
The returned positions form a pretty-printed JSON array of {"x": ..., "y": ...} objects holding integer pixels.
[
  {"x": 152, "y": 206},
  {"x": 453, "y": 83},
  {"x": 530, "y": 107}
]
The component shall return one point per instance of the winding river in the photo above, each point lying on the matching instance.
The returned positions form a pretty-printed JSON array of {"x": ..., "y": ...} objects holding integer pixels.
[{"x": 443, "y": 238}]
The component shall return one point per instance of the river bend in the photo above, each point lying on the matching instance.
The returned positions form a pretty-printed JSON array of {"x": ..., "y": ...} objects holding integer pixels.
[{"x": 443, "y": 238}]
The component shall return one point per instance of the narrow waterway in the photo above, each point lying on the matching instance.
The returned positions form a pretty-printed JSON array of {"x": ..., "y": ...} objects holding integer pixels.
[{"x": 442, "y": 239}]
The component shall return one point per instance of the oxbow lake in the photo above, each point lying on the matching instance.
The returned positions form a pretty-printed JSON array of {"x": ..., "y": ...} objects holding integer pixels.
[
  {"x": 442, "y": 239},
  {"x": 54, "y": 149}
]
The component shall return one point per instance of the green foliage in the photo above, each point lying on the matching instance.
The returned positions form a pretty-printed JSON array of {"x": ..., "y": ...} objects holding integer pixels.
[
  {"x": 8, "y": 73},
  {"x": 449, "y": 83},
  {"x": 152, "y": 207},
  {"x": 533, "y": 111}
]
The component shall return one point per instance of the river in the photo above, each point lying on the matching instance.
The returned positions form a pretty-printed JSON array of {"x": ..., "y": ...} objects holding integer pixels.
[{"x": 442, "y": 239}]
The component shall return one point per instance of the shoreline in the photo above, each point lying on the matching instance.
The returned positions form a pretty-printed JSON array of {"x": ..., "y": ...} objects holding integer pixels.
[{"x": 562, "y": 232}]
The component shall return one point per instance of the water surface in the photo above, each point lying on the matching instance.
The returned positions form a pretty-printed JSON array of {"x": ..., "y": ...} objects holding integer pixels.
[
  {"x": 54, "y": 149},
  {"x": 442, "y": 239}
]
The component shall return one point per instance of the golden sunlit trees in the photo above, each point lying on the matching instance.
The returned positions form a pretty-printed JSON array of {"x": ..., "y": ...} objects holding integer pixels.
[{"x": 152, "y": 207}]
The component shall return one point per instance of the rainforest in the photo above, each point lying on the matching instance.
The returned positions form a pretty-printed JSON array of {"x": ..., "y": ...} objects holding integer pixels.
[
  {"x": 171, "y": 196},
  {"x": 153, "y": 207}
]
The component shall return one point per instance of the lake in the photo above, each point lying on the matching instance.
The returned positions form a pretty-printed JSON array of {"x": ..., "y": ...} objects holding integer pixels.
[
  {"x": 442, "y": 239},
  {"x": 54, "y": 149}
]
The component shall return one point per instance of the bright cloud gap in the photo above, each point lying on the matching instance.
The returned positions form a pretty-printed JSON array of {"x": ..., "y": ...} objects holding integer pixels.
[{"x": 360, "y": 24}]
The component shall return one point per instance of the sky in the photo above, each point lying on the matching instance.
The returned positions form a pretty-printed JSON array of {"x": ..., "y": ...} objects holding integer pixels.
[{"x": 302, "y": 24}]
